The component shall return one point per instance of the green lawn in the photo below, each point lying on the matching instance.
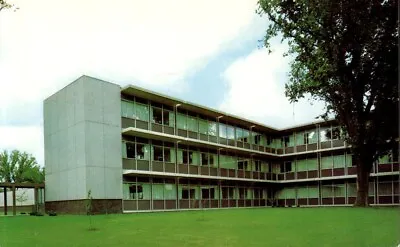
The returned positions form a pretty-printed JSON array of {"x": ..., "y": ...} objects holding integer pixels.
[{"x": 235, "y": 227}]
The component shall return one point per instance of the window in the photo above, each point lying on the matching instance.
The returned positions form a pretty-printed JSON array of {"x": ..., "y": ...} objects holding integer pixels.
[
  {"x": 269, "y": 141},
  {"x": 167, "y": 155},
  {"x": 325, "y": 134},
  {"x": 230, "y": 132},
  {"x": 310, "y": 137},
  {"x": 242, "y": 165},
  {"x": 203, "y": 126},
  {"x": 192, "y": 124},
  {"x": 288, "y": 166},
  {"x": 335, "y": 133},
  {"x": 286, "y": 141},
  {"x": 242, "y": 193},
  {"x": 239, "y": 134},
  {"x": 181, "y": 121},
  {"x": 257, "y": 138},
  {"x": 212, "y": 128},
  {"x": 204, "y": 159},
  {"x": 130, "y": 150},
  {"x": 136, "y": 192},
  {"x": 207, "y": 193},
  {"x": 300, "y": 138},
  {"x": 257, "y": 165},
  {"x": 157, "y": 153},
  {"x": 157, "y": 115},
  {"x": 142, "y": 112},
  {"x": 188, "y": 193},
  {"x": 185, "y": 157},
  {"x": 140, "y": 151},
  {"x": 222, "y": 130},
  {"x": 225, "y": 192},
  {"x": 168, "y": 118},
  {"x": 212, "y": 160},
  {"x": 246, "y": 135}
]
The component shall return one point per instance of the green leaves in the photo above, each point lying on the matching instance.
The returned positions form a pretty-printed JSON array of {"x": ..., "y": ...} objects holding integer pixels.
[{"x": 20, "y": 167}]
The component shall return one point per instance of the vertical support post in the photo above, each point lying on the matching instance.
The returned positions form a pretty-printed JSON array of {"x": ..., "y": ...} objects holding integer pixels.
[
  {"x": 14, "y": 201},
  {"x": 5, "y": 201},
  {"x": 35, "y": 198}
]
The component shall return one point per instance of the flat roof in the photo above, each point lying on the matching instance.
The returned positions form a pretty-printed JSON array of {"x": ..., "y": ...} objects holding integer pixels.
[{"x": 132, "y": 90}]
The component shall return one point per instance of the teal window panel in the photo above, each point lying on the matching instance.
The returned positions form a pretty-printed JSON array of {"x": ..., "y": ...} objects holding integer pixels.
[
  {"x": 326, "y": 191},
  {"x": 142, "y": 112},
  {"x": 181, "y": 121},
  {"x": 222, "y": 130},
  {"x": 326, "y": 162},
  {"x": 339, "y": 190},
  {"x": 230, "y": 132},
  {"x": 349, "y": 160},
  {"x": 212, "y": 128},
  {"x": 170, "y": 191},
  {"x": 192, "y": 124},
  {"x": 300, "y": 138},
  {"x": 338, "y": 161},
  {"x": 312, "y": 164},
  {"x": 313, "y": 192},
  {"x": 302, "y": 192},
  {"x": 301, "y": 165},
  {"x": 239, "y": 134},
  {"x": 158, "y": 191},
  {"x": 246, "y": 136},
  {"x": 124, "y": 108},
  {"x": 203, "y": 126}
]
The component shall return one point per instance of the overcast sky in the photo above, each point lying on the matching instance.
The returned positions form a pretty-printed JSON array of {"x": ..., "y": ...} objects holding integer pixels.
[{"x": 203, "y": 51}]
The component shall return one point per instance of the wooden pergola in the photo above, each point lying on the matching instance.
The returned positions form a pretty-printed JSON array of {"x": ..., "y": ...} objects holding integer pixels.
[{"x": 13, "y": 187}]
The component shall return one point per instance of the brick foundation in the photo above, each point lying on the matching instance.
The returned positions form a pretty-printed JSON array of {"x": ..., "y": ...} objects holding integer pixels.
[{"x": 99, "y": 206}]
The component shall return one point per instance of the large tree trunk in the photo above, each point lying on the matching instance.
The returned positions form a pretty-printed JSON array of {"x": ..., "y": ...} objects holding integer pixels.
[{"x": 363, "y": 169}]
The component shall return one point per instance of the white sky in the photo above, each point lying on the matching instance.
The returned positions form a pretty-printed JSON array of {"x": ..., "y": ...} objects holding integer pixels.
[{"x": 46, "y": 44}]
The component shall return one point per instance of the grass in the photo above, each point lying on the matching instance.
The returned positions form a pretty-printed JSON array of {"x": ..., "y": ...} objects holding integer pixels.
[{"x": 234, "y": 227}]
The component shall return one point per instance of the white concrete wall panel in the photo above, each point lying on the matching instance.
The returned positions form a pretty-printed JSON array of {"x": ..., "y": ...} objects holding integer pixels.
[{"x": 83, "y": 141}]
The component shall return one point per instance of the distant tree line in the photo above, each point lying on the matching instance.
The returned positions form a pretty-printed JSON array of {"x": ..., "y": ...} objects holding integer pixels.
[{"x": 20, "y": 167}]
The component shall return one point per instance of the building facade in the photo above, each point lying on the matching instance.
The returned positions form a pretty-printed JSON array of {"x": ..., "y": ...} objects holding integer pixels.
[{"x": 137, "y": 150}]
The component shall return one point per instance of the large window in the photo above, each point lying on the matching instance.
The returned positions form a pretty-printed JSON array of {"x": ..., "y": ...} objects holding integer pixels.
[
  {"x": 165, "y": 154},
  {"x": 188, "y": 193},
  {"x": 162, "y": 116},
  {"x": 310, "y": 137},
  {"x": 222, "y": 130},
  {"x": 141, "y": 112},
  {"x": 157, "y": 115},
  {"x": 157, "y": 153},
  {"x": 288, "y": 141},
  {"x": 192, "y": 124},
  {"x": 230, "y": 132},
  {"x": 212, "y": 128},
  {"x": 136, "y": 151},
  {"x": 203, "y": 126},
  {"x": 181, "y": 121},
  {"x": 257, "y": 138}
]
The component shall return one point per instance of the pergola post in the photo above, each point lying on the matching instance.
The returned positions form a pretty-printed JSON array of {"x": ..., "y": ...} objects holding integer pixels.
[
  {"x": 5, "y": 201},
  {"x": 35, "y": 193},
  {"x": 14, "y": 201}
]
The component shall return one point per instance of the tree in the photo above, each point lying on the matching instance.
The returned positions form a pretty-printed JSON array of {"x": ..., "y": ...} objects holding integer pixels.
[
  {"x": 5, "y": 5},
  {"x": 19, "y": 167},
  {"x": 345, "y": 54}
]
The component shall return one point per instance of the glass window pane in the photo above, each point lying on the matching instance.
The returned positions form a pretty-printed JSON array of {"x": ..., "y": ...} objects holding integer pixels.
[
  {"x": 124, "y": 108},
  {"x": 222, "y": 130},
  {"x": 312, "y": 137},
  {"x": 230, "y": 132},
  {"x": 313, "y": 192},
  {"x": 326, "y": 162},
  {"x": 203, "y": 126},
  {"x": 130, "y": 110},
  {"x": 326, "y": 191},
  {"x": 338, "y": 161},
  {"x": 130, "y": 150},
  {"x": 192, "y": 124},
  {"x": 168, "y": 118},
  {"x": 181, "y": 119},
  {"x": 312, "y": 164},
  {"x": 351, "y": 190},
  {"x": 212, "y": 128},
  {"x": 142, "y": 151},
  {"x": 302, "y": 192},
  {"x": 325, "y": 134},
  {"x": 299, "y": 138},
  {"x": 339, "y": 190},
  {"x": 301, "y": 165},
  {"x": 170, "y": 192},
  {"x": 158, "y": 192},
  {"x": 142, "y": 112},
  {"x": 169, "y": 154},
  {"x": 239, "y": 134},
  {"x": 246, "y": 136},
  {"x": 156, "y": 115},
  {"x": 123, "y": 148}
]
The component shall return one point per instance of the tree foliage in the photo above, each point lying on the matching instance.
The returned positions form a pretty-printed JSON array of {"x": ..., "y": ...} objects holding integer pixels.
[
  {"x": 6, "y": 5},
  {"x": 20, "y": 167},
  {"x": 345, "y": 54}
]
